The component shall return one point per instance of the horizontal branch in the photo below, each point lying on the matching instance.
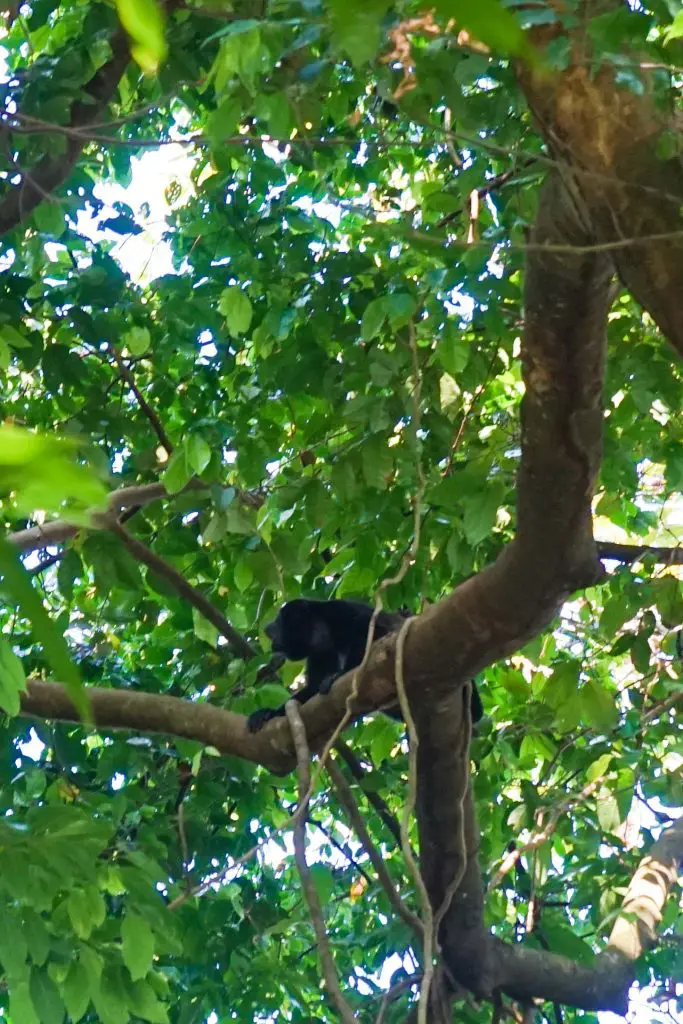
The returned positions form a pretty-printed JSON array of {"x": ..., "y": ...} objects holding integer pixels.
[
  {"x": 151, "y": 713},
  {"x": 37, "y": 538},
  {"x": 636, "y": 552},
  {"x": 604, "y": 985}
]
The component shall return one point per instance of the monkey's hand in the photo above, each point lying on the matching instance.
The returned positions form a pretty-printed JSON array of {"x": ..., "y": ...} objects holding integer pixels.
[
  {"x": 257, "y": 719},
  {"x": 328, "y": 682}
]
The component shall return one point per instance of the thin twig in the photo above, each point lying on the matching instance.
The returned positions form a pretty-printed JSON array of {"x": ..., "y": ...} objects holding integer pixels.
[
  {"x": 307, "y": 884},
  {"x": 393, "y": 992},
  {"x": 146, "y": 408},
  {"x": 344, "y": 850},
  {"x": 481, "y": 388},
  {"x": 538, "y": 838}
]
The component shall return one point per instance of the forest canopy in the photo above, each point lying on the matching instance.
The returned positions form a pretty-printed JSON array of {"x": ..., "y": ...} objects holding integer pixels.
[{"x": 405, "y": 326}]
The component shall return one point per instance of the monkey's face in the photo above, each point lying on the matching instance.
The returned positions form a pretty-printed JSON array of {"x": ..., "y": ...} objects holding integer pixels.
[{"x": 290, "y": 632}]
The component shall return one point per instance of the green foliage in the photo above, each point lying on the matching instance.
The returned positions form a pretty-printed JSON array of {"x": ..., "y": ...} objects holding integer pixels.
[{"x": 266, "y": 327}]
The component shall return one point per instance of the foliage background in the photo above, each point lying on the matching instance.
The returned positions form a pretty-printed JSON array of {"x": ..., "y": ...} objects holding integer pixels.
[{"x": 273, "y": 363}]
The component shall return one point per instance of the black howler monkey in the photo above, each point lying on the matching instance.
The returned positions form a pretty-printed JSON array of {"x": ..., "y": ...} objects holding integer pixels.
[{"x": 331, "y": 636}]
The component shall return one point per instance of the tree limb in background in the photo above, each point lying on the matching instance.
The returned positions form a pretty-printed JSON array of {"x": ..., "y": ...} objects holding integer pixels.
[
  {"x": 606, "y": 983},
  {"x": 346, "y": 799},
  {"x": 307, "y": 884},
  {"x": 636, "y": 552},
  {"x": 52, "y": 171},
  {"x": 37, "y": 538},
  {"x": 373, "y": 798},
  {"x": 606, "y": 136},
  {"x": 646, "y": 895}
]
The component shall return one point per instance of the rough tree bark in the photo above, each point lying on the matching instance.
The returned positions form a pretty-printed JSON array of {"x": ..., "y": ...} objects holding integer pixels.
[{"x": 606, "y": 140}]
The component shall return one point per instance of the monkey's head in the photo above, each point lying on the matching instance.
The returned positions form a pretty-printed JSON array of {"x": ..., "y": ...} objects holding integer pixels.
[{"x": 297, "y": 631}]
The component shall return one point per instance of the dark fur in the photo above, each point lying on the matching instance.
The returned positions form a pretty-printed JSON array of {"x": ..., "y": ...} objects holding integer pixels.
[{"x": 331, "y": 636}]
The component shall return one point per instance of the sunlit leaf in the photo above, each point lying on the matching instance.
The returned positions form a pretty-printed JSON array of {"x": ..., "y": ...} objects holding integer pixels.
[{"x": 145, "y": 23}]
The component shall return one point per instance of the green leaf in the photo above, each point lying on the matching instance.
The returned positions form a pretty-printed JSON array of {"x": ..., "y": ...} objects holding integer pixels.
[
  {"x": 178, "y": 472},
  {"x": 598, "y": 706},
  {"x": 45, "y": 997},
  {"x": 110, "y": 999},
  {"x": 76, "y": 991},
  {"x": 373, "y": 318},
  {"x": 324, "y": 881},
  {"x": 599, "y": 767},
  {"x": 669, "y": 598},
  {"x": 641, "y": 654},
  {"x": 608, "y": 812},
  {"x": 137, "y": 340},
  {"x": 481, "y": 509},
  {"x": 243, "y": 576},
  {"x": 21, "y": 1005},
  {"x": 675, "y": 29},
  {"x": 16, "y": 581},
  {"x": 235, "y": 306},
  {"x": 144, "y": 1003},
  {"x": 36, "y": 935},
  {"x": 12, "y": 679},
  {"x": 378, "y": 462},
  {"x": 198, "y": 453},
  {"x": 490, "y": 23},
  {"x": 13, "y": 946},
  {"x": 92, "y": 964},
  {"x": 384, "y": 739},
  {"x": 562, "y": 940},
  {"x": 240, "y": 520},
  {"x": 145, "y": 23},
  {"x": 12, "y": 336},
  {"x": 43, "y": 472},
  {"x": 137, "y": 945},
  {"x": 401, "y": 308},
  {"x": 223, "y": 122},
  {"x": 203, "y": 629},
  {"x": 357, "y": 27},
  {"x": 49, "y": 219},
  {"x": 452, "y": 352},
  {"x": 80, "y": 912}
]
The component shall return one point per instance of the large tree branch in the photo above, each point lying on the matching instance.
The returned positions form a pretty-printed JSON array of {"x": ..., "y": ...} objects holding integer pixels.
[
  {"x": 636, "y": 552},
  {"x": 495, "y": 612},
  {"x": 567, "y": 297}
]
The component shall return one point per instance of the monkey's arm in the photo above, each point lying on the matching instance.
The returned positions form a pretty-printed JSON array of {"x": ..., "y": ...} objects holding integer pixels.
[{"x": 257, "y": 719}]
